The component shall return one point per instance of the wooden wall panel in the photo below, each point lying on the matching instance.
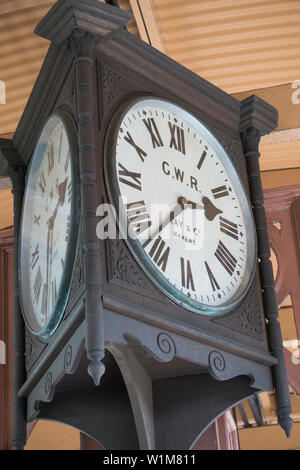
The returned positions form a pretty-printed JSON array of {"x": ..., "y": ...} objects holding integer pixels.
[
  {"x": 6, "y": 209},
  {"x": 6, "y": 335},
  {"x": 283, "y": 213}
]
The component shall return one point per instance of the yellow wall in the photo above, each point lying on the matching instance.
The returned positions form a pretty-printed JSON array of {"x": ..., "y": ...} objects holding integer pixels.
[{"x": 48, "y": 435}]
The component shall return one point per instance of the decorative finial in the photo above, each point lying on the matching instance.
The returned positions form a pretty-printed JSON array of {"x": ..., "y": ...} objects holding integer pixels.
[
  {"x": 96, "y": 369},
  {"x": 286, "y": 423}
]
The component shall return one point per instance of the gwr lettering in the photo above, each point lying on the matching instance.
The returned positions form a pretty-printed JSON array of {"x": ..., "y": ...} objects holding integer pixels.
[
  {"x": 165, "y": 169},
  {"x": 179, "y": 175},
  {"x": 139, "y": 151},
  {"x": 194, "y": 183}
]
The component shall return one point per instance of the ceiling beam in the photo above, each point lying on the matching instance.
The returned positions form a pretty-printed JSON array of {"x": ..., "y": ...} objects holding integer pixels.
[
  {"x": 148, "y": 24},
  {"x": 9, "y": 6}
]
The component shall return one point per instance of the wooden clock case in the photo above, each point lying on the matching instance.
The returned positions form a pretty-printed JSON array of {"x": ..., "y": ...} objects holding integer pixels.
[{"x": 169, "y": 372}]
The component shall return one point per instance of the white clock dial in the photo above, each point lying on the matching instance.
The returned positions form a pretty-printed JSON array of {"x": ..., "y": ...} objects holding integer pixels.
[
  {"x": 46, "y": 225},
  {"x": 199, "y": 248}
]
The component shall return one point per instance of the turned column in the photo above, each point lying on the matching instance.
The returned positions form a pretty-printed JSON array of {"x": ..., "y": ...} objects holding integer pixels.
[{"x": 257, "y": 119}]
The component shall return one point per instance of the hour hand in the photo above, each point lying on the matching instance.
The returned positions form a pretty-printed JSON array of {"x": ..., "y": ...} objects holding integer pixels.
[
  {"x": 61, "y": 199},
  {"x": 184, "y": 203},
  {"x": 210, "y": 210}
]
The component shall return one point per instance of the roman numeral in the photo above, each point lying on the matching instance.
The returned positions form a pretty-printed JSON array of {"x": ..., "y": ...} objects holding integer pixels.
[
  {"x": 60, "y": 142},
  {"x": 158, "y": 252},
  {"x": 36, "y": 219},
  {"x": 177, "y": 138},
  {"x": 220, "y": 191},
  {"x": 54, "y": 291},
  {"x": 69, "y": 191},
  {"x": 35, "y": 257},
  {"x": 68, "y": 228},
  {"x": 42, "y": 182},
  {"x": 227, "y": 260},
  {"x": 202, "y": 158},
  {"x": 186, "y": 275},
  {"x": 66, "y": 165},
  {"x": 138, "y": 216},
  {"x": 229, "y": 228},
  {"x": 51, "y": 157},
  {"x": 212, "y": 279},
  {"x": 37, "y": 284},
  {"x": 140, "y": 152},
  {"x": 155, "y": 136},
  {"x": 130, "y": 178},
  {"x": 44, "y": 306}
]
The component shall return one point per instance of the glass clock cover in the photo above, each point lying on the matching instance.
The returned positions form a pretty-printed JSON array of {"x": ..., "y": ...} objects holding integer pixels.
[
  {"x": 45, "y": 262},
  {"x": 189, "y": 221}
]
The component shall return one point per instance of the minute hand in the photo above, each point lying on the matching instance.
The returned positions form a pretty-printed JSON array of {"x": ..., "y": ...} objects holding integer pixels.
[
  {"x": 61, "y": 199},
  {"x": 210, "y": 210},
  {"x": 173, "y": 214}
]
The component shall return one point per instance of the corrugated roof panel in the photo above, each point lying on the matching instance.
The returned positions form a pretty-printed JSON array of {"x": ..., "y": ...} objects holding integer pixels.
[{"x": 238, "y": 45}]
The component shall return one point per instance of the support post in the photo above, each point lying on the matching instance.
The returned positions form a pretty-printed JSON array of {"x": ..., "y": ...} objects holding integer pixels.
[
  {"x": 82, "y": 44},
  {"x": 257, "y": 119}
]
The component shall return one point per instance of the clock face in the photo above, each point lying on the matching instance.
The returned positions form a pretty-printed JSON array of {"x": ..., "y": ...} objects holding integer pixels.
[
  {"x": 45, "y": 230},
  {"x": 187, "y": 217}
]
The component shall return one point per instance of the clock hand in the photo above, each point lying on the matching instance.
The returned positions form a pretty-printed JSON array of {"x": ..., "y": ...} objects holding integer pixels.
[
  {"x": 210, "y": 210},
  {"x": 62, "y": 194},
  {"x": 173, "y": 214},
  {"x": 190, "y": 204},
  {"x": 61, "y": 199}
]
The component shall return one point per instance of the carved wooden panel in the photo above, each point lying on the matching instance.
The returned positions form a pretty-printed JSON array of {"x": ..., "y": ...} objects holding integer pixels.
[
  {"x": 283, "y": 214},
  {"x": 6, "y": 337}
]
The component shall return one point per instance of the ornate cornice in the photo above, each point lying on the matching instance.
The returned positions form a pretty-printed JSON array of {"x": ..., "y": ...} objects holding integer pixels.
[
  {"x": 256, "y": 113},
  {"x": 90, "y": 16}
]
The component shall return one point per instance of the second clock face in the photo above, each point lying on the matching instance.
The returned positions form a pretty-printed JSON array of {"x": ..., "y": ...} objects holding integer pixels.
[
  {"x": 189, "y": 220},
  {"x": 45, "y": 229}
]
